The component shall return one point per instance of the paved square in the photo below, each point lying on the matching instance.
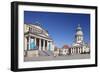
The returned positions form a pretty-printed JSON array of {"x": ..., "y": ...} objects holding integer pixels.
[{"x": 48, "y": 58}]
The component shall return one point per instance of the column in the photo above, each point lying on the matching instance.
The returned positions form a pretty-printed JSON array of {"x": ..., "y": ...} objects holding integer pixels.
[
  {"x": 50, "y": 45},
  {"x": 47, "y": 45},
  {"x": 43, "y": 44},
  {"x": 78, "y": 50},
  {"x": 35, "y": 41},
  {"x": 25, "y": 46},
  {"x": 29, "y": 41},
  {"x": 39, "y": 44},
  {"x": 71, "y": 51},
  {"x": 82, "y": 49},
  {"x": 25, "y": 43}
]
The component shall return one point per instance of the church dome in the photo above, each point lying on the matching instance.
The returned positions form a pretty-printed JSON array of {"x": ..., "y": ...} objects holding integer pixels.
[
  {"x": 79, "y": 30},
  {"x": 79, "y": 33}
]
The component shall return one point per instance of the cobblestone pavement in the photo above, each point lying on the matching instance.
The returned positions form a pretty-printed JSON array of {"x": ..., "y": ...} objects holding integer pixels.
[{"x": 68, "y": 57}]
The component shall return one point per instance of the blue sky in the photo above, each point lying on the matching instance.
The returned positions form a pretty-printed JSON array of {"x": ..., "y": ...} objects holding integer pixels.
[{"x": 61, "y": 26}]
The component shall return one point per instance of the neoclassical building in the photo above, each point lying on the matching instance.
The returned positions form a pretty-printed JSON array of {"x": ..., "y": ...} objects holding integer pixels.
[
  {"x": 36, "y": 39},
  {"x": 37, "y": 42},
  {"x": 79, "y": 46}
]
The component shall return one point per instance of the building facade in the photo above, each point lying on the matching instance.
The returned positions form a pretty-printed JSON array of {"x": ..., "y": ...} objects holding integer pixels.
[
  {"x": 79, "y": 46},
  {"x": 65, "y": 50},
  {"x": 36, "y": 39},
  {"x": 37, "y": 42}
]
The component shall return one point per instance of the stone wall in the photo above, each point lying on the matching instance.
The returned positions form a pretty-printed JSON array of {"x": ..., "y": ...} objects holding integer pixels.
[{"x": 32, "y": 53}]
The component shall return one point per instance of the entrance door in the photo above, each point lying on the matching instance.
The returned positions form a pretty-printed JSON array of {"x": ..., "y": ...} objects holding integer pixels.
[{"x": 32, "y": 44}]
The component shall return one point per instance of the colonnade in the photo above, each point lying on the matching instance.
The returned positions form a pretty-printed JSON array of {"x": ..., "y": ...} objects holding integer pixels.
[
  {"x": 40, "y": 44},
  {"x": 76, "y": 50}
]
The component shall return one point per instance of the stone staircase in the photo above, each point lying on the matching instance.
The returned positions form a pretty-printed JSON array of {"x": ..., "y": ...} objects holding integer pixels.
[{"x": 46, "y": 53}]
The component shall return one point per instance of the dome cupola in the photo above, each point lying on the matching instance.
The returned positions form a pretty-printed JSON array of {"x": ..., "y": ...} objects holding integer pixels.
[
  {"x": 79, "y": 30},
  {"x": 79, "y": 34}
]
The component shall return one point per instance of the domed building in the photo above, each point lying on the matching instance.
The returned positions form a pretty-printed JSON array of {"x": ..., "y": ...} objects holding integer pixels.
[
  {"x": 36, "y": 40},
  {"x": 79, "y": 46},
  {"x": 79, "y": 35}
]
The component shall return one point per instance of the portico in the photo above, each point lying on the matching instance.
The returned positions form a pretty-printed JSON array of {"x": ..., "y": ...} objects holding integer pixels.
[
  {"x": 36, "y": 38},
  {"x": 76, "y": 50},
  {"x": 38, "y": 43}
]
